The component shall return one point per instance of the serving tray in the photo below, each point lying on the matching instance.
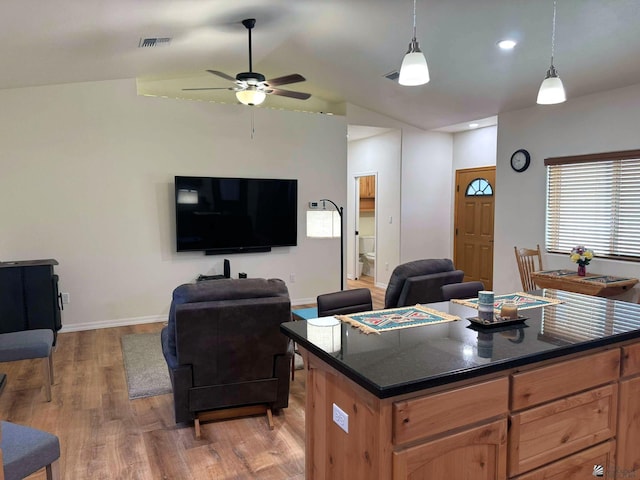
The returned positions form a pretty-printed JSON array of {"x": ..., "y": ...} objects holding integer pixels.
[{"x": 498, "y": 321}]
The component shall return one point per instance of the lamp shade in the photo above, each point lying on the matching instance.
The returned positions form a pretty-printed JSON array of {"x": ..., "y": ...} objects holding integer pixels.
[
  {"x": 251, "y": 96},
  {"x": 551, "y": 91},
  {"x": 323, "y": 224},
  {"x": 414, "y": 70}
]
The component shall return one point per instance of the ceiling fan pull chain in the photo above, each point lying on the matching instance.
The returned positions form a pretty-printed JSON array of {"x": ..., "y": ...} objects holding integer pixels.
[{"x": 253, "y": 127}]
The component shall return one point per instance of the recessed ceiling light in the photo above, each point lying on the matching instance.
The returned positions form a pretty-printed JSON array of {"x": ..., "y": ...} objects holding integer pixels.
[
  {"x": 507, "y": 44},
  {"x": 474, "y": 125}
]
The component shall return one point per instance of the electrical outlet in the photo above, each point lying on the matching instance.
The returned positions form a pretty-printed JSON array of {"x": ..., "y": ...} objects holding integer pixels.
[
  {"x": 340, "y": 418},
  {"x": 66, "y": 298},
  {"x": 292, "y": 277}
]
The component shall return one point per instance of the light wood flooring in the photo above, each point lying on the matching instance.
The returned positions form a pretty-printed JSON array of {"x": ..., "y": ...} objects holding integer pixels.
[{"x": 104, "y": 435}]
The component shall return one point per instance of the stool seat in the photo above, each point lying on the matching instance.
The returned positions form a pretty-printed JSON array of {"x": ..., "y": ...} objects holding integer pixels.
[
  {"x": 26, "y": 450},
  {"x": 25, "y": 344}
]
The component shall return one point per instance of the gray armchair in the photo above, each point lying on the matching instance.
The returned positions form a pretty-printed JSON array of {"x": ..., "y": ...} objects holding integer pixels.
[
  {"x": 224, "y": 348},
  {"x": 420, "y": 281}
]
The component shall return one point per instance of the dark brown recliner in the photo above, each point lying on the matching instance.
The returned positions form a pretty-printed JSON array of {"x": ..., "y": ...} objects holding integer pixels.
[
  {"x": 419, "y": 281},
  {"x": 224, "y": 348}
]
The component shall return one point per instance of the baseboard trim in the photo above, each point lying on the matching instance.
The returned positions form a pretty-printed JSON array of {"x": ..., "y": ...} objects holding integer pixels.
[{"x": 121, "y": 322}]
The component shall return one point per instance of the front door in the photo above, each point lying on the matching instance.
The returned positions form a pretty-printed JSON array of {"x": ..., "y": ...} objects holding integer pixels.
[{"x": 474, "y": 210}]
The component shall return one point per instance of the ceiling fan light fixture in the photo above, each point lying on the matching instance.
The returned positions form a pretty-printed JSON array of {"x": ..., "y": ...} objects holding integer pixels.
[
  {"x": 251, "y": 96},
  {"x": 552, "y": 90},
  {"x": 414, "y": 70}
]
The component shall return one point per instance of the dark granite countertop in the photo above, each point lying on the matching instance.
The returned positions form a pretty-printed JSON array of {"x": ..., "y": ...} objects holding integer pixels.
[{"x": 412, "y": 359}]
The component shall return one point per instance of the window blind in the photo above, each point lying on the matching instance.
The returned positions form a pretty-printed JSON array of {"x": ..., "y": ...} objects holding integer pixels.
[{"x": 594, "y": 202}]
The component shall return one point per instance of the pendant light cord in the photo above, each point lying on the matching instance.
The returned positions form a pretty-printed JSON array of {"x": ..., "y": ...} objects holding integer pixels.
[
  {"x": 553, "y": 32},
  {"x": 414, "y": 19}
]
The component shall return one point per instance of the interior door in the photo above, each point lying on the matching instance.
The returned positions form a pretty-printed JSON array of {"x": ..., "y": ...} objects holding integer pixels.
[
  {"x": 357, "y": 230},
  {"x": 474, "y": 214}
]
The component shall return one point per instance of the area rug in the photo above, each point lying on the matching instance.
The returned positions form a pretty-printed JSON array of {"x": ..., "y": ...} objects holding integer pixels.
[
  {"x": 144, "y": 365},
  {"x": 394, "y": 318},
  {"x": 521, "y": 299}
]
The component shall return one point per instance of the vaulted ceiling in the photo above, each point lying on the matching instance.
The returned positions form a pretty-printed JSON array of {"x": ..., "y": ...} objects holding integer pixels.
[{"x": 344, "y": 48}]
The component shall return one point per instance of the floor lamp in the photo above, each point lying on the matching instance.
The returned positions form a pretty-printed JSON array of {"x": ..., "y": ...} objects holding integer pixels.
[{"x": 339, "y": 209}]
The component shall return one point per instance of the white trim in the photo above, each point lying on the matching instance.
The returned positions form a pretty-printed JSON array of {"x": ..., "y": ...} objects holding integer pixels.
[{"x": 121, "y": 322}]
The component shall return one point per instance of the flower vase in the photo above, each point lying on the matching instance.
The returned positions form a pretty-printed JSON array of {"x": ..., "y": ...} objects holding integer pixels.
[{"x": 582, "y": 270}]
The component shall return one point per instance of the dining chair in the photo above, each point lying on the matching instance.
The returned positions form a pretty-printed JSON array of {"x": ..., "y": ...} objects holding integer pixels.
[
  {"x": 25, "y": 450},
  {"x": 344, "y": 302},
  {"x": 527, "y": 264},
  {"x": 461, "y": 290}
]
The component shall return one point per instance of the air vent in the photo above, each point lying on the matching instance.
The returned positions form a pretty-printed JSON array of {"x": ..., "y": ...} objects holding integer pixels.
[
  {"x": 154, "y": 42},
  {"x": 392, "y": 75}
]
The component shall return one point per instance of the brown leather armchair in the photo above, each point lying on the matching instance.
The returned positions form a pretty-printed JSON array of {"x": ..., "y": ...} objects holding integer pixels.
[{"x": 224, "y": 348}]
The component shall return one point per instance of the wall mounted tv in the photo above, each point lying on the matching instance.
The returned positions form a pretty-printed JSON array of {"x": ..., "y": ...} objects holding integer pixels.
[{"x": 235, "y": 215}]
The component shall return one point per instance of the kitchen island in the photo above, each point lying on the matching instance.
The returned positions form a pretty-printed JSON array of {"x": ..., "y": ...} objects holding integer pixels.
[{"x": 551, "y": 398}]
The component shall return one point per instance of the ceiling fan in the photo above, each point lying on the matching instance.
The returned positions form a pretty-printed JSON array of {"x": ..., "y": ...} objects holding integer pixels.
[{"x": 251, "y": 87}]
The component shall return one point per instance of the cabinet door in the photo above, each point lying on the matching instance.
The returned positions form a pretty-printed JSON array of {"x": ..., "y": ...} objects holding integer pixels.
[
  {"x": 12, "y": 314},
  {"x": 478, "y": 454},
  {"x": 628, "y": 459}
]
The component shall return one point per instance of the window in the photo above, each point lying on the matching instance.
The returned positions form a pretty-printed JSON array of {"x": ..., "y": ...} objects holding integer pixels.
[
  {"x": 594, "y": 200},
  {"x": 478, "y": 187}
]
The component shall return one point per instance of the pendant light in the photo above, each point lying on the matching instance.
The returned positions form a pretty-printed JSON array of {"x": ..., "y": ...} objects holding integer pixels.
[
  {"x": 552, "y": 91},
  {"x": 414, "y": 70}
]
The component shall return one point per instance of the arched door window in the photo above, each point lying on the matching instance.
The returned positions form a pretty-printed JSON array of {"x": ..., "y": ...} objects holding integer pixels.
[{"x": 479, "y": 187}]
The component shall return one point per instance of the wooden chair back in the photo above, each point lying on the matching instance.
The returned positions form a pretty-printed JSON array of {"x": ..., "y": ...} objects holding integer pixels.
[{"x": 526, "y": 258}]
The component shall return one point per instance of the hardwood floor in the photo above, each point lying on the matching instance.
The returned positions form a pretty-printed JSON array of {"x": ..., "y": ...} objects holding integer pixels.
[{"x": 104, "y": 435}]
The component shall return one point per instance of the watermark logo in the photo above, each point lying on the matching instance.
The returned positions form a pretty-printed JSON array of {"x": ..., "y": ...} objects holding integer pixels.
[{"x": 599, "y": 471}]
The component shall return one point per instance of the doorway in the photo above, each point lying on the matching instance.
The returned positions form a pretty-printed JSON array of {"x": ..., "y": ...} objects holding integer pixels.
[
  {"x": 365, "y": 226},
  {"x": 473, "y": 224}
]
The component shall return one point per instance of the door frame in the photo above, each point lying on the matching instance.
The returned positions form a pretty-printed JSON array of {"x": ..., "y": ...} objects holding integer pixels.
[{"x": 356, "y": 226}]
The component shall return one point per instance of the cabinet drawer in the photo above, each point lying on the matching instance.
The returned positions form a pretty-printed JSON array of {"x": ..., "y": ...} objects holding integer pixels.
[
  {"x": 631, "y": 360},
  {"x": 478, "y": 454},
  {"x": 579, "y": 466},
  {"x": 429, "y": 415},
  {"x": 556, "y": 381},
  {"x": 547, "y": 433}
]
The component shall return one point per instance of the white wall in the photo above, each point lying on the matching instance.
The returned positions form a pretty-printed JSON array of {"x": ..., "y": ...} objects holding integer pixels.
[
  {"x": 379, "y": 155},
  {"x": 87, "y": 178},
  {"x": 596, "y": 123},
  {"x": 425, "y": 187},
  {"x": 475, "y": 148}
]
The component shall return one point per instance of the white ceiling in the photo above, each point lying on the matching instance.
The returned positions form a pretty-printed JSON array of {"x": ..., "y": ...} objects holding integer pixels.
[{"x": 342, "y": 47}]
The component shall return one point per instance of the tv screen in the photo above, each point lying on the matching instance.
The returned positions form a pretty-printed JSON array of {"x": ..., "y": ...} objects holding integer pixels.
[{"x": 227, "y": 215}]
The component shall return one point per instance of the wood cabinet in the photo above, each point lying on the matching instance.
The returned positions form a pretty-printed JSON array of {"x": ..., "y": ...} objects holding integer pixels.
[
  {"x": 368, "y": 187},
  {"x": 367, "y": 193},
  {"x": 628, "y": 459},
  {"x": 478, "y": 453},
  {"x": 554, "y": 421}
]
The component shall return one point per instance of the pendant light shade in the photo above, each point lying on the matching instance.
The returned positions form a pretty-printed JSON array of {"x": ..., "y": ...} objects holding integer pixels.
[
  {"x": 552, "y": 90},
  {"x": 251, "y": 96},
  {"x": 414, "y": 70}
]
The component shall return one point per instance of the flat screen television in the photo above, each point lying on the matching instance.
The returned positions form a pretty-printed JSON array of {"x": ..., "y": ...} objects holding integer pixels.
[{"x": 235, "y": 215}]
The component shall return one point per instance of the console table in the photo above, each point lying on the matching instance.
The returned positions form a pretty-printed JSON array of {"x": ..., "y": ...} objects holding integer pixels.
[
  {"x": 29, "y": 297},
  {"x": 590, "y": 284},
  {"x": 552, "y": 397}
]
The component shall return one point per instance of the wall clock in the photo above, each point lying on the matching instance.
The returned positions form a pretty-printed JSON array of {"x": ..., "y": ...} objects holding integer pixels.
[{"x": 520, "y": 160}]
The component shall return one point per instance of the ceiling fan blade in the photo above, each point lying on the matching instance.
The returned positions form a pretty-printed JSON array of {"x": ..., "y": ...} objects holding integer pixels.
[
  {"x": 223, "y": 75},
  {"x": 287, "y": 79},
  {"x": 210, "y": 88},
  {"x": 288, "y": 93}
]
